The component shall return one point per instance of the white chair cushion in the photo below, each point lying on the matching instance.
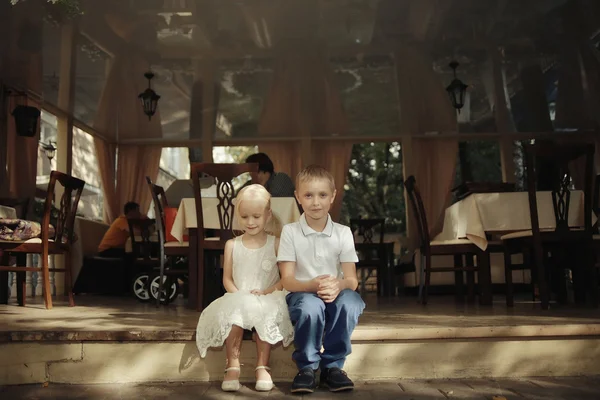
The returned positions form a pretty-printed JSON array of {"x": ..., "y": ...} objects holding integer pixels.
[
  {"x": 33, "y": 240},
  {"x": 522, "y": 234},
  {"x": 177, "y": 244},
  {"x": 449, "y": 242}
]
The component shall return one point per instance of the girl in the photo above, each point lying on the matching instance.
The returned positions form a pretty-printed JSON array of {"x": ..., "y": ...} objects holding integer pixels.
[{"x": 254, "y": 298}]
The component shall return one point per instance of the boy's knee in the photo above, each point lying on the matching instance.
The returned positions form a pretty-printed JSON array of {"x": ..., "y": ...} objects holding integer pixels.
[
  {"x": 306, "y": 305},
  {"x": 350, "y": 301}
]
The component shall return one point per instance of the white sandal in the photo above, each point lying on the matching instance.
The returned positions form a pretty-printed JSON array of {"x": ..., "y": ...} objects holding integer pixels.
[
  {"x": 262, "y": 385},
  {"x": 231, "y": 386}
]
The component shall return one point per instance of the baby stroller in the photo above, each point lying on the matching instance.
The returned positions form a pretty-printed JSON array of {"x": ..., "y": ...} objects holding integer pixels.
[{"x": 163, "y": 275}]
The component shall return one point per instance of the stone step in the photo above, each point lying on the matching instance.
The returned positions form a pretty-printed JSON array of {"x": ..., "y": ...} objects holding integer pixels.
[{"x": 90, "y": 362}]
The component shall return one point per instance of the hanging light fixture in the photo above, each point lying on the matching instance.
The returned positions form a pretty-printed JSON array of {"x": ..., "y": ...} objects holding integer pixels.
[
  {"x": 49, "y": 149},
  {"x": 149, "y": 98},
  {"x": 456, "y": 89}
]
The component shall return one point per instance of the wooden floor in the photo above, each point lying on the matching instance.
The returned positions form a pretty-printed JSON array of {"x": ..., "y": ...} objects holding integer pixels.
[{"x": 107, "y": 318}]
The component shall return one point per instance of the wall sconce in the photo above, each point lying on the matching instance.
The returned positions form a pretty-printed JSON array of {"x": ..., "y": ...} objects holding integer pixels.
[{"x": 49, "y": 149}]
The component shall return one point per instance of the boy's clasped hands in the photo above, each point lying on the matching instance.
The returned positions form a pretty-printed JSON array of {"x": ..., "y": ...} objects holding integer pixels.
[{"x": 327, "y": 287}]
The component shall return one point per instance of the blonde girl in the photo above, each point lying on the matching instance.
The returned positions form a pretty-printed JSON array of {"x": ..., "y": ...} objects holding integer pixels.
[{"x": 254, "y": 298}]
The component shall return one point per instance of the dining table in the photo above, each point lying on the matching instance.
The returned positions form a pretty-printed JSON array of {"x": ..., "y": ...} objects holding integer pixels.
[{"x": 480, "y": 214}]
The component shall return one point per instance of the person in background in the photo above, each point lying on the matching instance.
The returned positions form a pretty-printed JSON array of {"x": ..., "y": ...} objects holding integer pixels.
[
  {"x": 115, "y": 238},
  {"x": 278, "y": 184}
]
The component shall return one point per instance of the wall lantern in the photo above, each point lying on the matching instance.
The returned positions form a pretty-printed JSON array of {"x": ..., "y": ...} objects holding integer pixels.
[
  {"x": 456, "y": 89},
  {"x": 149, "y": 98},
  {"x": 49, "y": 149},
  {"x": 26, "y": 120}
]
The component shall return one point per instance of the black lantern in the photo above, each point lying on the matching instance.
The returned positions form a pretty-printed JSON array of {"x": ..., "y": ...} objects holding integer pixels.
[
  {"x": 26, "y": 120},
  {"x": 49, "y": 149},
  {"x": 149, "y": 97},
  {"x": 456, "y": 89}
]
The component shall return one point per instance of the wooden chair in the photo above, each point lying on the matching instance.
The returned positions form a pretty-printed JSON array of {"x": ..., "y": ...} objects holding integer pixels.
[
  {"x": 558, "y": 242},
  {"x": 167, "y": 250},
  {"x": 142, "y": 246},
  {"x": 60, "y": 243},
  {"x": 21, "y": 206},
  {"x": 373, "y": 256},
  {"x": 459, "y": 248},
  {"x": 207, "y": 281}
]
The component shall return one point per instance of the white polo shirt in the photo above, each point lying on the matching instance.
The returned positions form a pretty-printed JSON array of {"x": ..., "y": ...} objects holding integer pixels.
[{"x": 316, "y": 253}]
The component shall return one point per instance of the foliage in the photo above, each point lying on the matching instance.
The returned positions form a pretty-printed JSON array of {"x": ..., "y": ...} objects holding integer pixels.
[
  {"x": 64, "y": 8},
  {"x": 38, "y": 212},
  {"x": 374, "y": 185},
  {"x": 478, "y": 161}
]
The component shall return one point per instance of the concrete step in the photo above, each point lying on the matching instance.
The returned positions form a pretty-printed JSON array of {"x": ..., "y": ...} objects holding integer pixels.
[{"x": 112, "y": 361}]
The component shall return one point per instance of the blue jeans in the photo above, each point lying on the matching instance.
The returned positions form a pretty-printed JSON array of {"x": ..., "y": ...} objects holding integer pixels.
[{"x": 318, "y": 323}]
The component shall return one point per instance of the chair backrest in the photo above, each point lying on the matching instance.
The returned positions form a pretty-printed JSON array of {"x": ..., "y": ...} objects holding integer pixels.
[
  {"x": 414, "y": 196},
  {"x": 561, "y": 155},
  {"x": 21, "y": 206},
  {"x": 140, "y": 231},
  {"x": 159, "y": 199},
  {"x": 67, "y": 208},
  {"x": 223, "y": 175},
  {"x": 367, "y": 228}
]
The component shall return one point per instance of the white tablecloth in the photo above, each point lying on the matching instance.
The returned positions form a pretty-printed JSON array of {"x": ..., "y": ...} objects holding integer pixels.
[
  {"x": 479, "y": 213},
  {"x": 8, "y": 212},
  {"x": 284, "y": 208}
]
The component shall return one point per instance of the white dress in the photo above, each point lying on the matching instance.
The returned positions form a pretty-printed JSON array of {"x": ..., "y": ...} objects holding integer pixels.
[{"x": 267, "y": 314}]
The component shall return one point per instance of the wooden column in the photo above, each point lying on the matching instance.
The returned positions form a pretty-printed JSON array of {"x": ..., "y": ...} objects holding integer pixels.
[
  {"x": 537, "y": 115},
  {"x": 202, "y": 110},
  {"x": 408, "y": 167},
  {"x": 5, "y": 27},
  {"x": 66, "y": 102},
  {"x": 502, "y": 115},
  {"x": 4, "y": 185},
  {"x": 66, "y": 97}
]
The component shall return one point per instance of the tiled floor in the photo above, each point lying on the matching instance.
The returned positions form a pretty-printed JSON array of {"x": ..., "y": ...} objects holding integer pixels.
[{"x": 534, "y": 389}]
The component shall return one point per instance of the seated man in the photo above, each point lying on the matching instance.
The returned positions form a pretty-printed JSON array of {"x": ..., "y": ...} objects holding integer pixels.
[
  {"x": 115, "y": 238},
  {"x": 277, "y": 183}
]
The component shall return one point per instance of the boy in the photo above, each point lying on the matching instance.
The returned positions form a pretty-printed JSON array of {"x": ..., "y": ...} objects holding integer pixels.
[{"x": 317, "y": 264}]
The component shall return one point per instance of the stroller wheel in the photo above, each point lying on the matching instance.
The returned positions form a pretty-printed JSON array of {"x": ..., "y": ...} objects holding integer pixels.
[
  {"x": 140, "y": 287},
  {"x": 170, "y": 286}
]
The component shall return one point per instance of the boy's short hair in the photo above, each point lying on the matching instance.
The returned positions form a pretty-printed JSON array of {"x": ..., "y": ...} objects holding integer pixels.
[{"x": 315, "y": 172}]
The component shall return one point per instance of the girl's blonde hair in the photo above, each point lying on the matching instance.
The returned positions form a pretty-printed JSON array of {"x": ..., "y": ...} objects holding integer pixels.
[{"x": 258, "y": 192}]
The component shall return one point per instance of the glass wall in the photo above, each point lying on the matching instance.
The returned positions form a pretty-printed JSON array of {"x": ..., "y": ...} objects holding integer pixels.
[
  {"x": 374, "y": 187},
  {"x": 85, "y": 167}
]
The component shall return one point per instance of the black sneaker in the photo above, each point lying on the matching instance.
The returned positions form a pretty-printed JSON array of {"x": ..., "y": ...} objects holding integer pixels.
[
  {"x": 305, "y": 381},
  {"x": 336, "y": 380}
]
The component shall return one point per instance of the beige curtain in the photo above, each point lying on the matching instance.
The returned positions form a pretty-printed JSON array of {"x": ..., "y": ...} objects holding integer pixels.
[
  {"x": 335, "y": 157},
  {"x": 134, "y": 164},
  {"x": 425, "y": 107},
  {"x": 120, "y": 117},
  {"x": 303, "y": 102},
  {"x": 106, "y": 154},
  {"x": 285, "y": 157},
  {"x": 22, "y": 67}
]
